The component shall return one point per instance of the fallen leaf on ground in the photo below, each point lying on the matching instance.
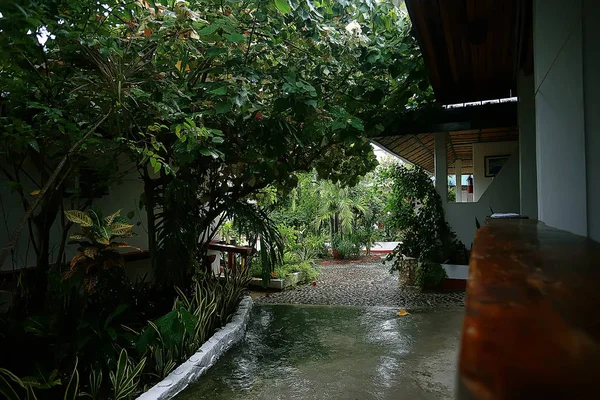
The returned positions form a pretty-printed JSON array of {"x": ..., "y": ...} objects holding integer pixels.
[{"x": 402, "y": 312}]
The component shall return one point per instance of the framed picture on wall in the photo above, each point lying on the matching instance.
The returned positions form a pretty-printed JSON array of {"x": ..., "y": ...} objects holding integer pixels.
[{"x": 493, "y": 165}]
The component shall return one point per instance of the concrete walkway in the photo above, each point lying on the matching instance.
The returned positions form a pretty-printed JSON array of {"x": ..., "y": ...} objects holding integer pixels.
[
  {"x": 361, "y": 284},
  {"x": 338, "y": 353}
]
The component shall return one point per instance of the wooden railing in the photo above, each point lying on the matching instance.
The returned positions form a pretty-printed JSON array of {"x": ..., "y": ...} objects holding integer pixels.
[
  {"x": 532, "y": 323},
  {"x": 243, "y": 252}
]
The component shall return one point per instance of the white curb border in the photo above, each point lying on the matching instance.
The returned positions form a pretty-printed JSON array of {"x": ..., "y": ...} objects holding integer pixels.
[{"x": 191, "y": 370}]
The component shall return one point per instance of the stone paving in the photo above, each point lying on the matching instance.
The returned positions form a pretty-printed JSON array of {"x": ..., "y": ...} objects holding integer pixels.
[{"x": 362, "y": 284}]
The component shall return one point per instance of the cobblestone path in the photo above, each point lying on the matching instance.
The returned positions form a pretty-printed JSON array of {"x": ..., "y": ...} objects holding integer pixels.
[{"x": 361, "y": 284}]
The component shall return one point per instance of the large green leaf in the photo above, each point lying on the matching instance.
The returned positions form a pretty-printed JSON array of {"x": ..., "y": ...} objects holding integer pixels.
[
  {"x": 234, "y": 37},
  {"x": 220, "y": 90},
  {"x": 207, "y": 30},
  {"x": 283, "y": 6},
  {"x": 222, "y": 107}
]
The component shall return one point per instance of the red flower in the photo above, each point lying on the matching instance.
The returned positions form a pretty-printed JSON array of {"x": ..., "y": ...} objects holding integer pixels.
[{"x": 258, "y": 115}]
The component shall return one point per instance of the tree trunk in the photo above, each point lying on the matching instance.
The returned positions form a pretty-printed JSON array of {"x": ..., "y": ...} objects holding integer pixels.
[{"x": 49, "y": 186}]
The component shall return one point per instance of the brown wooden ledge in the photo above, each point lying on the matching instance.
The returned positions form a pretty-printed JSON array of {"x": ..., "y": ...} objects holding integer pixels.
[{"x": 532, "y": 323}]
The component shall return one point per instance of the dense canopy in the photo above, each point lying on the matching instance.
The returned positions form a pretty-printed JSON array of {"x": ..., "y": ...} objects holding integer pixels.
[{"x": 225, "y": 96}]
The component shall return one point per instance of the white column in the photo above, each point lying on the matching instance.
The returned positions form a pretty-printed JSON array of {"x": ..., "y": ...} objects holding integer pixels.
[
  {"x": 559, "y": 114},
  {"x": 527, "y": 156},
  {"x": 458, "y": 172},
  {"x": 441, "y": 170}
]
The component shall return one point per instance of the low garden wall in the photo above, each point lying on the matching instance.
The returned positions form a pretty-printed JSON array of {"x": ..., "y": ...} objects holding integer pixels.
[
  {"x": 278, "y": 283},
  {"x": 191, "y": 370},
  {"x": 382, "y": 247}
]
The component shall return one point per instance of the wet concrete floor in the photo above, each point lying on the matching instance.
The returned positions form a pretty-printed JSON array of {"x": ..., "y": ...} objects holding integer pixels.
[{"x": 333, "y": 352}]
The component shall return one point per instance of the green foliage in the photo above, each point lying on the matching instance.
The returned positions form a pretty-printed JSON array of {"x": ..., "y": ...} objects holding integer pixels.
[
  {"x": 95, "y": 383},
  {"x": 97, "y": 251},
  {"x": 246, "y": 93},
  {"x": 308, "y": 270},
  {"x": 212, "y": 103},
  {"x": 174, "y": 337},
  {"x": 348, "y": 247},
  {"x": 228, "y": 233},
  {"x": 452, "y": 194},
  {"x": 101, "y": 336},
  {"x": 311, "y": 246},
  {"x": 429, "y": 275},
  {"x": 14, "y": 388},
  {"x": 97, "y": 230},
  {"x": 316, "y": 208},
  {"x": 11, "y": 385},
  {"x": 126, "y": 376},
  {"x": 416, "y": 209},
  {"x": 72, "y": 390},
  {"x": 339, "y": 207},
  {"x": 254, "y": 222},
  {"x": 299, "y": 255}
]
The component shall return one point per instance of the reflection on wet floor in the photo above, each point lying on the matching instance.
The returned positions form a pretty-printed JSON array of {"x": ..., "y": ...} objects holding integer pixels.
[{"x": 320, "y": 352}]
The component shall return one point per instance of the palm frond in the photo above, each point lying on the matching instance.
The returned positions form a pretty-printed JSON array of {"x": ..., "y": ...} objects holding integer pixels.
[{"x": 255, "y": 223}]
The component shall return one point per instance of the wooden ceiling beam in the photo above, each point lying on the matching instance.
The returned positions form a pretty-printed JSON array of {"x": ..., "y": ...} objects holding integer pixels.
[
  {"x": 423, "y": 145},
  {"x": 473, "y": 48},
  {"x": 501, "y": 115}
]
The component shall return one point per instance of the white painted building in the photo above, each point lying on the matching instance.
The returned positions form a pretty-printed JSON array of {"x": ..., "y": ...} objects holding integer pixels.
[{"x": 550, "y": 59}]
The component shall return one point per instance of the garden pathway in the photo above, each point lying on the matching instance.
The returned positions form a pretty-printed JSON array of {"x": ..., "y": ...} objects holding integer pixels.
[{"x": 360, "y": 284}]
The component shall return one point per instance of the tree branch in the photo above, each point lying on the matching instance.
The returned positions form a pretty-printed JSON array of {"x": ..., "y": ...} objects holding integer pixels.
[{"x": 51, "y": 180}]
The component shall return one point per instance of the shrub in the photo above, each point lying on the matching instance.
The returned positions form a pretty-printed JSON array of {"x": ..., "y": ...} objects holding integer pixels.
[
  {"x": 429, "y": 275},
  {"x": 174, "y": 337},
  {"x": 348, "y": 247},
  {"x": 97, "y": 250},
  {"x": 312, "y": 246},
  {"x": 416, "y": 208},
  {"x": 310, "y": 271}
]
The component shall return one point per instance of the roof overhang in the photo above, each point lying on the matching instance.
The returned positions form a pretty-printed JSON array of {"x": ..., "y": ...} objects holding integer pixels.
[
  {"x": 498, "y": 115},
  {"x": 412, "y": 137},
  {"x": 474, "y": 49}
]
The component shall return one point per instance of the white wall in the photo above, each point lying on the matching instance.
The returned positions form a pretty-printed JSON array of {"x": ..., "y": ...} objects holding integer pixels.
[
  {"x": 560, "y": 123},
  {"x": 123, "y": 196},
  {"x": 591, "y": 90},
  {"x": 527, "y": 156},
  {"x": 502, "y": 196},
  {"x": 482, "y": 150},
  {"x": 126, "y": 197}
]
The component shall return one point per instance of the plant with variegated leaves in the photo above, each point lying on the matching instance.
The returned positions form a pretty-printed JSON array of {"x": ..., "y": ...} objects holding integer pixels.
[{"x": 98, "y": 249}]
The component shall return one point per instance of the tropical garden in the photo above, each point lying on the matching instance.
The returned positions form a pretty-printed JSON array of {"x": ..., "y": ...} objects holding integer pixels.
[{"x": 248, "y": 118}]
